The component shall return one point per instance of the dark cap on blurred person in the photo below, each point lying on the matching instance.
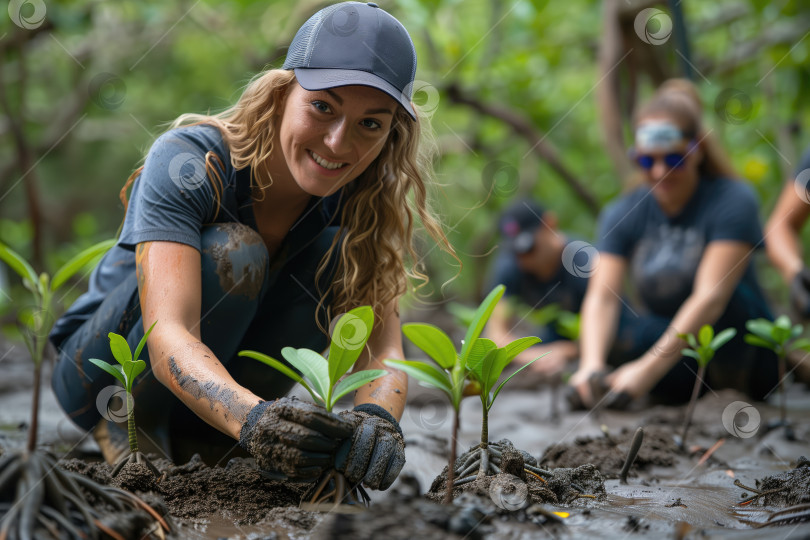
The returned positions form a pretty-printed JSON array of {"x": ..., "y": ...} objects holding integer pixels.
[{"x": 518, "y": 223}]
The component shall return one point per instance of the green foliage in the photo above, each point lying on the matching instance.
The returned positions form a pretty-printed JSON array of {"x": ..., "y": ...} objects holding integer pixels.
[
  {"x": 479, "y": 360},
  {"x": 439, "y": 347},
  {"x": 40, "y": 319},
  {"x": 706, "y": 345},
  {"x": 129, "y": 365},
  {"x": 322, "y": 377},
  {"x": 780, "y": 336}
]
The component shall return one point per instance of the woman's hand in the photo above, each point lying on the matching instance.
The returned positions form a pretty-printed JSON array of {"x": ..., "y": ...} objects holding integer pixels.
[
  {"x": 580, "y": 394},
  {"x": 634, "y": 378}
]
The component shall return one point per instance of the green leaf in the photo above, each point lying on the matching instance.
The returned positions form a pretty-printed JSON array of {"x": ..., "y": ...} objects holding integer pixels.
[
  {"x": 705, "y": 335},
  {"x": 760, "y": 328},
  {"x": 783, "y": 322},
  {"x": 349, "y": 338},
  {"x": 312, "y": 366},
  {"x": 491, "y": 370},
  {"x": 131, "y": 370},
  {"x": 355, "y": 381},
  {"x": 722, "y": 338},
  {"x": 690, "y": 339},
  {"x": 480, "y": 320},
  {"x": 519, "y": 345},
  {"x": 282, "y": 367},
  {"x": 426, "y": 373},
  {"x": 120, "y": 348},
  {"x": 796, "y": 331},
  {"x": 433, "y": 341},
  {"x": 690, "y": 353},
  {"x": 780, "y": 334},
  {"x": 15, "y": 261},
  {"x": 478, "y": 352},
  {"x": 757, "y": 341},
  {"x": 78, "y": 262},
  {"x": 141, "y": 344},
  {"x": 115, "y": 371},
  {"x": 800, "y": 344},
  {"x": 500, "y": 386}
]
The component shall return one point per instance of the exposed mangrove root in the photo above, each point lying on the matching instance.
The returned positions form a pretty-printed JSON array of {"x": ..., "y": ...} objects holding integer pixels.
[
  {"x": 35, "y": 494},
  {"x": 786, "y": 516},
  {"x": 485, "y": 460},
  {"x": 333, "y": 489},
  {"x": 134, "y": 457},
  {"x": 757, "y": 493}
]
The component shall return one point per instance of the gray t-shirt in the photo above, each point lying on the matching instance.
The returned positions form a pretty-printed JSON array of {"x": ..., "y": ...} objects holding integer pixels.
[
  {"x": 171, "y": 201},
  {"x": 664, "y": 252}
]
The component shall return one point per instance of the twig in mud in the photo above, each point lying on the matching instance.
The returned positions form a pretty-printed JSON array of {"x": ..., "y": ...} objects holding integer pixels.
[
  {"x": 711, "y": 451},
  {"x": 635, "y": 446}
]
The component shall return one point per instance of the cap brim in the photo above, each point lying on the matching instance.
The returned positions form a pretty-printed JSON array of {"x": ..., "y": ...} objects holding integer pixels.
[{"x": 321, "y": 79}]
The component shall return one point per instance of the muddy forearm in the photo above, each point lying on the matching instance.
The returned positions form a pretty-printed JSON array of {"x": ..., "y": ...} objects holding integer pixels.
[{"x": 202, "y": 383}]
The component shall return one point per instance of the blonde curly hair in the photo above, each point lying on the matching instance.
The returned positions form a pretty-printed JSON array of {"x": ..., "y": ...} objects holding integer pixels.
[{"x": 381, "y": 205}]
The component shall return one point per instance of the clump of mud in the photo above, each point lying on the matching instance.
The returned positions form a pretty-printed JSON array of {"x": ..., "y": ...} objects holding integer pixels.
[
  {"x": 788, "y": 488},
  {"x": 609, "y": 452},
  {"x": 135, "y": 477},
  {"x": 195, "y": 491}
]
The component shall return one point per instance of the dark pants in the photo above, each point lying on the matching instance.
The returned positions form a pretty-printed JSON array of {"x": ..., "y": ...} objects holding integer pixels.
[
  {"x": 248, "y": 302},
  {"x": 736, "y": 365}
]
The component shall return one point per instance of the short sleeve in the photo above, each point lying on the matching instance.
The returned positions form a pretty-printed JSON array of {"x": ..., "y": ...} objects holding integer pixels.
[
  {"x": 616, "y": 228},
  {"x": 505, "y": 272},
  {"x": 734, "y": 214},
  {"x": 173, "y": 197}
]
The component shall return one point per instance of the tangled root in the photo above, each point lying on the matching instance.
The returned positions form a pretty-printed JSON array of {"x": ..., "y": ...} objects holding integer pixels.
[{"x": 36, "y": 494}]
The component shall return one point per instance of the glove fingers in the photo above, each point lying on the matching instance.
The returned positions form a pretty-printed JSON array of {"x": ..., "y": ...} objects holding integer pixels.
[
  {"x": 306, "y": 439},
  {"x": 384, "y": 452},
  {"x": 395, "y": 465},
  {"x": 362, "y": 448},
  {"x": 316, "y": 418}
]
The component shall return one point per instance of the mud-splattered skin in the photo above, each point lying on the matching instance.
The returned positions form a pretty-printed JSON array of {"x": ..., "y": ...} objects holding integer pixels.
[{"x": 217, "y": 395}]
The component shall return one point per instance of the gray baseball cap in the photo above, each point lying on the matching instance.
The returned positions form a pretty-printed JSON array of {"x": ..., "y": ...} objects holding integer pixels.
[{"x": 354, "y": 43}]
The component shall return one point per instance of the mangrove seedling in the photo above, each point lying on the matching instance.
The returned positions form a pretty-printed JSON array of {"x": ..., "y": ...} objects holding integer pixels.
[
  {"x": 322, "y": 379},
  {"x": 35, "y": 494},
  {"x": 130, "y": 366},
  {"x": 703, "y": 350},
  {"x": 782, "y": 338},
  {"x": 454, "y": 375}
]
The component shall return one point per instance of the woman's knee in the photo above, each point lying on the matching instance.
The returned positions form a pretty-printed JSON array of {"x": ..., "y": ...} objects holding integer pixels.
[{"x": 234, "y": 260}]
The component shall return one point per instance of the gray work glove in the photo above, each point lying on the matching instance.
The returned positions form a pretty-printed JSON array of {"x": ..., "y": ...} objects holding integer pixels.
[
  {"x": 800, "y": 293},
  {"x": 375, "y": 454},
  {"x": 293, "y": 439}
]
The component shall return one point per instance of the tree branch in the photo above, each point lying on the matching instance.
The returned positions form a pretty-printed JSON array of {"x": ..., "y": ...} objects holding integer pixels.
[{"x": 540, "y": 146}]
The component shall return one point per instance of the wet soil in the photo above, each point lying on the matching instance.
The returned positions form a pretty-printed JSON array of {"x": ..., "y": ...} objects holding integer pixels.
[
  {"x": 670, "y": 493},
  {"x": 608, "y": 452}
]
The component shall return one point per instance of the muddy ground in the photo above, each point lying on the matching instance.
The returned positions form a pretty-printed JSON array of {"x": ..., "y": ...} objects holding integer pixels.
[{"x": 669, "y": 493}]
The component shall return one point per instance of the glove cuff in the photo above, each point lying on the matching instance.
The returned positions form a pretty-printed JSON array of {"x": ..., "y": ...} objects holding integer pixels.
[
  {"x": 376, "y": 410},
  {"x": 253, "y": 416}
]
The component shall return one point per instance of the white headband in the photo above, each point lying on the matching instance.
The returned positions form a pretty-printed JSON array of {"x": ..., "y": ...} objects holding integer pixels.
[{"x": 658, "y": 136}]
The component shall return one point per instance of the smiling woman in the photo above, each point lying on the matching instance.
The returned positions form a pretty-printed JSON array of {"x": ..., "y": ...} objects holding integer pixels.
[{"x": 253, "y": 229}]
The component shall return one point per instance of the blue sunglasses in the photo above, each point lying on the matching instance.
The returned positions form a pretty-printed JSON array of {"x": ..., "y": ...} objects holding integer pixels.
[{"x": 673, "y": 160}]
